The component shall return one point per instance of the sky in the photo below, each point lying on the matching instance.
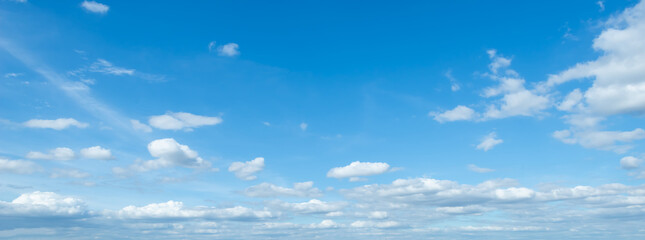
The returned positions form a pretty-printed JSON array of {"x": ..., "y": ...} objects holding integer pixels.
[{"x": 322, "y": 119}]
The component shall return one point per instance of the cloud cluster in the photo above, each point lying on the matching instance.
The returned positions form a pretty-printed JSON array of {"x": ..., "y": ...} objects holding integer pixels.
[
  {"x": 176, "y": 210},
  {"x": 43, "y": 204},
  {"x": 617, "y": 84},
  {"x": 66, "y": 154}
]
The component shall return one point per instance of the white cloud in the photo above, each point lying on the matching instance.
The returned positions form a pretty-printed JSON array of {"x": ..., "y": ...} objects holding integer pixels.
[
  {"x": 372, "y": 224},
  {"x": 182, "y": 120},
  {"x": 246, "y": 170},
  {"x": 174, "y": 209},
  {"x": 497, "y": 61},
  {"x": 211, "y": 46},
  {"x": 229, "y": 50},
  {"x": 604, "y": 140},
  {"x": 601, "y": 5},
  {"x": 96, "y": 152},
  {"x": 103, "y": 66},
  {"x": 68, "y": 173},
  {"x": 61, "y": 153},
  {"x": 515, "y": 99},
  {"x": 474, "y": 168},
  {"x": 618, "y": 75},
  {"x": 459, "y": 113},
  {"x": 136, "y": 125},
  {"x": 313, "y": 206},
  {"x": 489, "y": 142},
  {"x": 43, "y": 204},
  {"x": 520, "y": 103},
  {"x": 169, "y": 153},
  {"x": 303, "y": 126},
  {"x": 630, "y": 162},
  {"x": 377, "y": 215},
  {"x": 57, "y": 124},
  {"x": 572, "y": 101},
  {"x": 267, "y": 190},
  {"x": 95, "y": 7},
  {"x": 358, "y": 169},
  {"x": 18, "y": 166}
]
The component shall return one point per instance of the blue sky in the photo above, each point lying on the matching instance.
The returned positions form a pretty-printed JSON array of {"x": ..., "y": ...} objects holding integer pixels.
[{"x": 322, "y": 119}]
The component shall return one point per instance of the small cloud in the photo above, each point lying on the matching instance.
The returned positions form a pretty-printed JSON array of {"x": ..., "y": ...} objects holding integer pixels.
[
  {"x": 630, "y": 162},
  {"x": 246, "y": 170},
  {"x": 303, "y": 126},
  {"x": 459, "y": 113},
  {"x": 489, "y": 142},
  {"x": 136, "y": 125},
  {"x": 182, "y": 120},
  {"x": 56, "y": 124},
  {"x": 229, "y": 50},
  {"x": 68, "y": 173},
  {"x": 474, "y": 168},
  {"x": 268, "y": 124},
  {"x": 601, "y": 5},
  {"x": 454, "y": 85},
  {"x": 211, "y": 46},
  {"x": 95, "y": 7},
  {"x": 97, "y": 152},
  {"x": 61, "y": 154},
  {"x": 358, "y": 169}
]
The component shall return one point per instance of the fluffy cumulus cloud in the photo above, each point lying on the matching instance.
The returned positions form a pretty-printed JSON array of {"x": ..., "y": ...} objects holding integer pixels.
[
  {"x": 489, "y": 142},
  {"x": 358, "y": 169},
  {"x": 508, "y": 98},
  {"x": 169, "y": 153},
  {"x": 95, "y": 7},
  {"x": 267, "y": 190},
  {"x": 56, "y": 124},
  {"x": 43, "y": 204},
  {"x": 617, "y": 85},
  {"x": 246, "y": 170},
  {"x": 618, "y": 75},
  {"x": 630, "y": 162},
  {"x": 459, "y": 113},
  {"x": 61, "y": 154},
  {"x": 176, "y": 210},
  {"x": 96, "y": 152},
  {"x": 182, "y": 120},
  {"x": 18, "y": 166}
]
